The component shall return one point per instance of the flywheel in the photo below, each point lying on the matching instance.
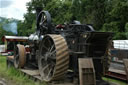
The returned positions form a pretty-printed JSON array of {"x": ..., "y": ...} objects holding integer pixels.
[
  {"x": 53, "y": 61},
  {"x": 19, "y": 56}
]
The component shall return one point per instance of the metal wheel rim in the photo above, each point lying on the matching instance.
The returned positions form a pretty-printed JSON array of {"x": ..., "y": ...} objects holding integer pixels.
[
  {"x": 16, "y": 57},
  {"x": 19, "y": 56}
]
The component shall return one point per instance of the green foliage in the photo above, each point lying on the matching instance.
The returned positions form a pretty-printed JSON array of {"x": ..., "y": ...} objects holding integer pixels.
[
  {"x": 114, "y": 81},
  {"x": 116, "y": 18},
  {"x": 111, "y": 27},
  {"x": 105, "y": 15},
  {"x": 119, "y": 14},
  {"x": 114, "y": 27},
  {"x": 60, "y": 12},
  {"x": 14, "y": 76},
  {"x": 126, "y": 29}
]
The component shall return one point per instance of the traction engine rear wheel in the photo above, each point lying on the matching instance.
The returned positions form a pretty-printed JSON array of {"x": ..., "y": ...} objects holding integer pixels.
[
  {"x": 53, "y": 61},
  {"x": 19, "y": 56}
]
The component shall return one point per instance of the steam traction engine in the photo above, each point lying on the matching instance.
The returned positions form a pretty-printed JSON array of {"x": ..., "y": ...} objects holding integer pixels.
[{"x": 56, "y": 49}]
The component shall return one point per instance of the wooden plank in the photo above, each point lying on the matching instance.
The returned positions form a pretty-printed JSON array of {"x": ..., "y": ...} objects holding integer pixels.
[
  {"x": 38, "y": 77},
  {"x": 86, "y": 72},
  {"x": 10, "y": 57},
  {"x": 30, "y": 72},
  {"x": 117, "y": 71},
  {"x": 126, "y": 67}
]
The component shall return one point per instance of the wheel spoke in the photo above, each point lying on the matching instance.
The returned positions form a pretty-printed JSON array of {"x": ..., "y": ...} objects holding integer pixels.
[
  {"x": 53, "y": 52},
  {"x": 41, "y": 23},
  {"x": 44, "y": 20},
  {"x": 42, "y": 58},
  {"x": 45, "y": 47},
  {"x": 43, "y": 69},
  {"x": 49, "y": 73},
  {"x": 51, "y": 48},
  {"x": 52, "y": 64},
  {"x": 52, "y": 55},
  {"x": 51, "y": 68}
]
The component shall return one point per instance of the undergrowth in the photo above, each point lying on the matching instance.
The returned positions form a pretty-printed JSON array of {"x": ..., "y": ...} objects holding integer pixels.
[{"x": 15, "y": 76}]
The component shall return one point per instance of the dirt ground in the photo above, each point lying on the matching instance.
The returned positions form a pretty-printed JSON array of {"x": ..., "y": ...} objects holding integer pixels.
[{"x": 3, "y": 81}]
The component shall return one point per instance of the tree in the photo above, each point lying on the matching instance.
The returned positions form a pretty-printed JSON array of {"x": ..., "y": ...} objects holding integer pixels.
[
  {"x": 104, "y": 15},
  {"x": 117, "y": 18}
]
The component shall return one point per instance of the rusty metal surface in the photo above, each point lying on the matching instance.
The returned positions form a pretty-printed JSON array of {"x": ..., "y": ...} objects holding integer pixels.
[{"x": 86, "y": 72}]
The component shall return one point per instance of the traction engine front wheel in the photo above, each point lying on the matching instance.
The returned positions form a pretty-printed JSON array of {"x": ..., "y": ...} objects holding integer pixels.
[{"x": 19, "y": 56}]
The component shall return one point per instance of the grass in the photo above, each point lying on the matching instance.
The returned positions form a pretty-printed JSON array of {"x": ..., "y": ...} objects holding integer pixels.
[
  {"x": 114, "y": 81},
  {"x": 17, "y": 78},
  {"x": 14, "y": 76}
]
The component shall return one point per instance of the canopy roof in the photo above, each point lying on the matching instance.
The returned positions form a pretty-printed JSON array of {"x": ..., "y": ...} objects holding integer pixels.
[{"x": 14, "y": 38}]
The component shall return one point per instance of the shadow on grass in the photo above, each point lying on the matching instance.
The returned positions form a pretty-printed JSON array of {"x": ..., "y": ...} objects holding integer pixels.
[{"x": 112, "y": 80}]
